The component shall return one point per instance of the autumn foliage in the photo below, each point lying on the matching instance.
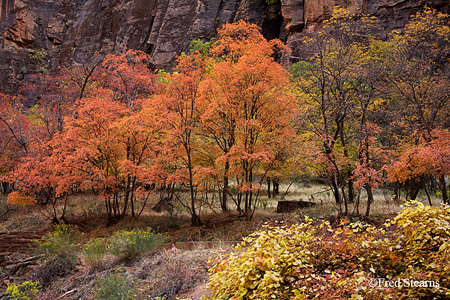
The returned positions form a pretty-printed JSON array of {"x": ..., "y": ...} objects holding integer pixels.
[
  {"x": 318, "y": 261},
  {"x": 360, "y": 111}
]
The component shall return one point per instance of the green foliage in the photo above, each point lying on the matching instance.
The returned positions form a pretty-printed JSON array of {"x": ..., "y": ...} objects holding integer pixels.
[
  {"x": 130, "y": 244},
  {"x": 94, "y": 251},
  {"x": 25, "y": 291},
  {"x": 116, "y": 286},
  {"x": 272, "y": 1},
  {"x": 62, "y": 241},
  {"x": 60, "y": 249},
  {"x": 300, "y": 68},
  {"x": 39, "y": 55},
  {"x": 309, "y": 261},
  {"x": 202, "y": 47}
]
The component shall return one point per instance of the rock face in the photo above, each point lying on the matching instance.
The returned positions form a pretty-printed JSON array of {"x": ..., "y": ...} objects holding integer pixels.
[{"x": 79, "y": 31}]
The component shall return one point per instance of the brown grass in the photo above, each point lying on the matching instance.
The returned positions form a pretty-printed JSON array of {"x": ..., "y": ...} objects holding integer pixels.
[{"x": 88, "y": 213}]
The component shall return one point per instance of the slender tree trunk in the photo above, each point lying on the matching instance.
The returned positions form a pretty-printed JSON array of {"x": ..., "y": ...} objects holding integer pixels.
[
  {"x": 276, "y": 187},
  {"x": 349, "y": 173},
  {"x": 239, "y": 199},
  {"x": 132, "y": 196},
  {"x": 225, "y": 187},
  {"x": 195, "y": 219},
  {"x": 55, "y": 220},
  {"x": 116, "y": 207},
  {"x": 5, "y": 186},
  {"x": 337, "y": 195},
  {"x": 345, "y": 201},
  {"x": 414, "y": 189},
  {"x": 426, "y": 192},
  {"x": 250, "y": 194},
  {"x": 334, "y": 176},
  {"x": 357, "y": 202},
  {"x": 246, "y": 204},
  {"x": 127, "y": 196},
  {"x": 444, "y": 189},
  {"x": 63, "y": 214},
  {"x": 351, "y": 196},
  {"x": 396, "y": 192},
  {"x": 369, "y": 199},
  {"x": 368, "y": 186},
  {"x": 268, "y": 189}
]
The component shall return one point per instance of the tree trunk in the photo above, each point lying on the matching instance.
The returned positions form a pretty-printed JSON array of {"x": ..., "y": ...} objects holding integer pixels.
[
  {"x": 276, "y": 187},
  {"x": 349, "y": 173},
  {"x": 132, "y": 196},
  {"x": 351, "y": 195},
  {"x": 369, "y": 199},
  {"x": 268, "y": 189},
  {"x": 426, "y": 192},
  {"x": 357, "y": 202},
  {"x": 444, "y": 189},
  {"x": 414, "y": 189},
  {"x": 396, "y": 192},
  {"x": 337, "y": 195},
  {"x": 195, "y": 219},
  {"x": 345, "y": 201},
  {"x": 225, "y": 187},
  {"x": 5, "y": 186},
  {"x": 127, "y": 196}
]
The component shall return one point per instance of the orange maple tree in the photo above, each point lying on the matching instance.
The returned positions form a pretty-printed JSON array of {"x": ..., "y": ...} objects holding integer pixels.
[
  {"x": 247, "y": 109},
  {"x": 111, "y": 150},
  {"x": 178, "y": 108},
  {"x": 428, "y": 158},
  {"x": 129, "y": 76}
]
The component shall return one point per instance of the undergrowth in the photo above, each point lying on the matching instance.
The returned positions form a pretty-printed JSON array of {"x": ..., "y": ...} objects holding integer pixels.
[{"x": 318, "y": 261}]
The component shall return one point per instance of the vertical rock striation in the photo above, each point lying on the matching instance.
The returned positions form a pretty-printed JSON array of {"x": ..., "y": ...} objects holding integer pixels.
[{"x": 82, "y": 31}]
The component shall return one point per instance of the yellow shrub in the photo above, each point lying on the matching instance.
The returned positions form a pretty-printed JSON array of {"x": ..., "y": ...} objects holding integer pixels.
[
  {"x": 422, "y": 230},
  {"x": 352, "y": 261},
  {"x": 267, "y": 268},
  {"x": 25, "y": 291},
  {"x": 422, "y": 239}
]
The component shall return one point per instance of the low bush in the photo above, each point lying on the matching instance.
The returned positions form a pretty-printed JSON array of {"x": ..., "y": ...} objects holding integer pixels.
[
  {"x": 422, "y": 240},
  {"x": 60, "y": 249},
  {"x": 63, "y": 241},
  {"x": 267, "y": 268},
  {"x": 53, "y": 267},
  {"x": 175, "y": 273},
  {"x": 116, "y": 286},
  {"x": 94, "y": 251},
  {"x": 130, "y": 244},
  {"x": 352, "y": 261},
  {"x": 25, "y": 291}
]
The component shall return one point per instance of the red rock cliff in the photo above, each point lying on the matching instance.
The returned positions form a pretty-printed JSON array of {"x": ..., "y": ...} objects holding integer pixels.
[{"x": 76, "y": 31}]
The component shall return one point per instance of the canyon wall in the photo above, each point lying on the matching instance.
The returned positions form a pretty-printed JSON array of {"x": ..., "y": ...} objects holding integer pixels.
[{"x": 47, "y": 34}]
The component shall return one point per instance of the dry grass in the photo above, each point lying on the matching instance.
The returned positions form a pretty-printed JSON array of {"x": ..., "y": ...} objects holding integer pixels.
[
  {"x": 88, "y": 213},
  {"x": 166, "y": 273}
]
